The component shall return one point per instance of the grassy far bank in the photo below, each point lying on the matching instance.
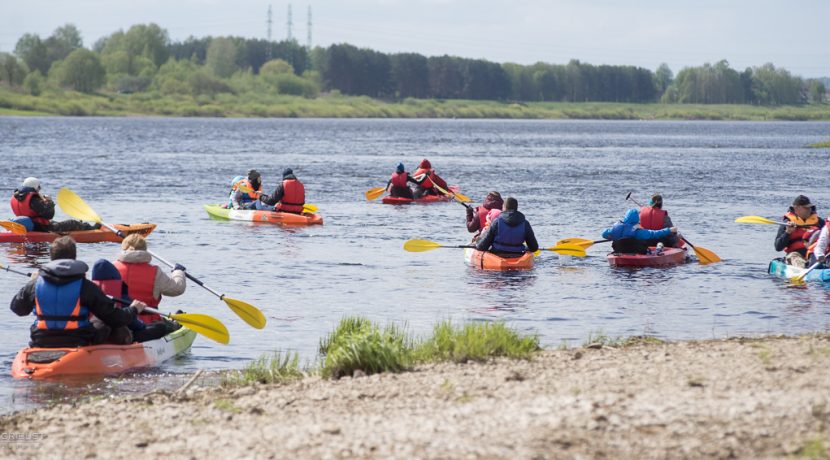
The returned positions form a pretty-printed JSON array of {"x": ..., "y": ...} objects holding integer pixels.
[{"x": 334, "y": 105}]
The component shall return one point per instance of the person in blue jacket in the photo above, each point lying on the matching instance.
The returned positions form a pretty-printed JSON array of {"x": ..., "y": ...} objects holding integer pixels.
[
  {"x": 508, "y": 234},
  {"x": 629, "y": 238}
]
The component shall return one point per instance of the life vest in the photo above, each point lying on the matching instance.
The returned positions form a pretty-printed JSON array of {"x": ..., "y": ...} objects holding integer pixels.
[
  {"x": 800, "y": 235},
  {"x": 399, "y": 179},
  {"x": 24, "y": 208},
  {"x": 509, "y": 239},
  {"x": 58, "y": 307},
  {"x": 482, "y": 216},
  {"x": 247, "y": 197},
  {"x": 427, "y": 173},
  {"x": 652, "y": 218},
  {"x": 140, "y": 279},
  {"x": 113, "y": 288},
  {"x": 813, "y": 245},
  {"x": 293, "y": 197}
]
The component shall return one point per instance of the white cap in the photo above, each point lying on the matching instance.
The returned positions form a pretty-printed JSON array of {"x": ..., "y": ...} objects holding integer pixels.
[{"x": 32, "y": 182}]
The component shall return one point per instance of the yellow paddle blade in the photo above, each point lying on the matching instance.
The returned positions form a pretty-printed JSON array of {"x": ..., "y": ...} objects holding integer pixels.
[
  {"x": 756, "y": 220},
  {"x": 374, "y": 193},
  {"x": 420, "y": 245},
  {"x": 309, "y": 208},
  {"x": 705, "y": 256},
  {"x": 581, "y": 242},
  {"x": 244, "y": 188},
  {"x": 537, "y": 252},
  {"x": 74, "y": 206},
  {"x": 568, "y": 250},
  {"x": 13, "y": 227},
  {"x": 249, "y": 313},
  {"x": 208, "y": 326},
  {"x": 461, "y": 198}
]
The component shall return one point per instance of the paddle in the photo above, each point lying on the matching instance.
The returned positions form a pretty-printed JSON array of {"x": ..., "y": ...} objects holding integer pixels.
[
  {"x": 309, "y": 208},
  {"x": 581, "y": 242},
  {"x": 567, "y": 250},
  {"x": 427, "y": 245},
  {"x": 763, "y": 220},
  {"x": 704, "y": 256},
  {"x": 73, "y": 205},
  {"x": 374, "y": 193},
  {"x": 205, "y": 325},
  {"x": 463, "y": 199},
  {"x": 13, "y": 227}
]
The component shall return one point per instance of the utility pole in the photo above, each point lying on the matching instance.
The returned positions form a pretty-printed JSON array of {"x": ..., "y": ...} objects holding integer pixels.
[
  {"x": 268, "y": 48},
  {"x": 308, "y": 39},
  {"x": 289, "y": 23}
]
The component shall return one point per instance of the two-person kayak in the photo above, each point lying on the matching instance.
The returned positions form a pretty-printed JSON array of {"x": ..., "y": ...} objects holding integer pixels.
[
  {"x": 423, "y": 200},
  {"x": 269, "y": 217},
  {"x": 669, "y": 257},
  {"x": 486, "y": 260},
  {"x": 105, "y": 359},
  {"x": 778, "y": 267},
  {"x": 81, "y": 236}
]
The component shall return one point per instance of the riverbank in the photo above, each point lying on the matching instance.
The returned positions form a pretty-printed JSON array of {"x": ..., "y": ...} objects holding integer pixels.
[
  {"x": 744, "y": 398},
  {"x": 249, "y": 105}
]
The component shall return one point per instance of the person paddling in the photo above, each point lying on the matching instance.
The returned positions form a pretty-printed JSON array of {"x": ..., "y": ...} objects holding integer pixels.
[
  {"x": 247, "y": 199},
  {"x": 398, "y": 185},
  {"x": 802, "y": 224},
  {"x": 627, "y": 237},
  {"x": 653, "y": 217},
  {"x": 476, "y": 216},
  {"x": 508, "y": 233},
  {"x": 288, "y": 196},
  {"x": 426, "y": 179},
  {"x": 64, "y": 300},
  {"x": 35, "y": 210}
]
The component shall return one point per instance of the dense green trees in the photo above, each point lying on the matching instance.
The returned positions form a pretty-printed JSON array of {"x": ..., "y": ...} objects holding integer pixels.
[{"x": 82, "y": 71}]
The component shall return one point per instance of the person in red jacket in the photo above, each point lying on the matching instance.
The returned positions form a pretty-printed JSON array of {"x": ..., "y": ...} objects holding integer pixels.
[
  {"x": 289, "y": 196},
  {"x": 426, "y": 179},
  {"x": 476, "y": 217},
  {"x": 803, "y": 224},
  {"x": 27, "y": 201},
  {"x": 398, "y": 185},
  {"x": 653, "y": 217}
]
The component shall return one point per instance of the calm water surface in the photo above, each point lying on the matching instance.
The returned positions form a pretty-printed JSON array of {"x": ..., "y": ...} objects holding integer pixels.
[{"x": 570, "y": 178}]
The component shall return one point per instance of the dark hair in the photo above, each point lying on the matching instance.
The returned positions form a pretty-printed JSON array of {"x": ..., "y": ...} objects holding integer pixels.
[
  {"x": 510, "y": 204},
  {"x": 63, "y": 248},
  {"x": 657, "y": 201},
  {"x": 801, "y": 200},
  {"x": 253, "y": 174}
]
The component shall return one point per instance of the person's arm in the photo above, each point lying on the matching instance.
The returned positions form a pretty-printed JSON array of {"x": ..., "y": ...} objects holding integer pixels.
[
  {"x": 43, "y": 208},
  {"x": 530, "y": 238},
  {"x": 237, "y": 196},
  {"x": 24, "y": 301},
  {"x": 823, "y": 240},
  {"x": 486, "y": 240},
  {"x": 388, "y": 184},
  {"x": 275, "y": 197},
  {"x": 104, "y": 308},
  {"x": 667, "y": 222},
  {"x": 644, "y": 235},
  {"x": 439, "y": 181},
  {"x": 409, "y": 178},
  {"x": 473, "y": 222},
  {"x": 170, "y": 285},
  {"x": 782, "y": 238},
  {"x": 608, "y": 234}
]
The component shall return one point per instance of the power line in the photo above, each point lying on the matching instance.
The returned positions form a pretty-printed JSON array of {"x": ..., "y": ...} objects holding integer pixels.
[
  {"x": 289, "y": 23},
  {"x": 268, "y": 49},
  {"x": 308, "y": 26}
]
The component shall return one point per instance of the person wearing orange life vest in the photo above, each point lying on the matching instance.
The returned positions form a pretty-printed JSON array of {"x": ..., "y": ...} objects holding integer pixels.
[
  {"x": 426, "y": 179},
  {"x": 398, "y": 185},
  {"x": 653, "y": 217},
  {"x": 146, "y": 282},
  {"x": 476, "y": 217},
  {"x": 28, "y": 202},
  {"x": 288, "y": 196},
  {"x": 802, "y": 224},
  {"x": 247, "y": 200},
  {"x": 64, "y": 300}
]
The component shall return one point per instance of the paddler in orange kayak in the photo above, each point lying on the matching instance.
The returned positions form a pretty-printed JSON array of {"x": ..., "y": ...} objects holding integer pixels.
[
  {"x": 288, "y": 196},
  {"x": 508, "y": 233},
  {"x": 28, "y": 202},
  {"x": 476, "y": 217},
  {"x": 64, "y": 300},
  {"x": 424, "y": 176}
]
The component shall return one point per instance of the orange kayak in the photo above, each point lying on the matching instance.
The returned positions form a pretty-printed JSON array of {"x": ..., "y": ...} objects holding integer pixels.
[
  {"x": 46, "y": 363},
  {"x": 488, "y": 261},
  {"x": 268, "y": 217},
  {"x": 83, "y": 236}
]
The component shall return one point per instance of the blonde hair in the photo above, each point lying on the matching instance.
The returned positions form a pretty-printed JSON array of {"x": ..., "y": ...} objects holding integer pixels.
[{"x": 134, "y": 242}]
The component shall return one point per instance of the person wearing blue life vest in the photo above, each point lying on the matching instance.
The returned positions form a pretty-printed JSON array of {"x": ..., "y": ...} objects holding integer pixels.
[
  {"x": 627, "y": 237},
  {"x": 64, "y": 302},
  {"x": 508, "y": 234}
]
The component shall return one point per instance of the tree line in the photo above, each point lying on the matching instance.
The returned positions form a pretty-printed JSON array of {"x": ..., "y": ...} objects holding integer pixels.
[{"x": 144, "y": 59}]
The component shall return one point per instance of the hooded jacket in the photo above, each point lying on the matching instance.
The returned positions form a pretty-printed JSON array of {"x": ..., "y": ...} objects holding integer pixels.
[
  {"x": 279, "y": 191},
  {"x": 171, "y": 285},
  {"x": 628, "y": 228},
  {"x": 60, "y": 272},
  {"x": 476, "y": 216},
  {"x": 508, "y": 233}
]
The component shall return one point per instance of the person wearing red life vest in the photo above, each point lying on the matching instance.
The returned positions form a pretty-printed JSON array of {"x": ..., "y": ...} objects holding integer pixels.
[
  {"x": 398, "y": 185},
  {"x": 653, "y": 217},
  {"x": 65, "y": 302},
  {"x": 28, "y": 202},
  {"x": 147, "y": 282},
  {"x": 803, "y": 224},
  {"x": 476, "y": 217},
  {"x": 288, "y": 196},
  {"x": 426, "y": 179}
]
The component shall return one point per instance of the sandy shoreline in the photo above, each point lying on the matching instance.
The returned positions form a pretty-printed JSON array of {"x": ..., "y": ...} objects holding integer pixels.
[{"x": 744, "y": 398}]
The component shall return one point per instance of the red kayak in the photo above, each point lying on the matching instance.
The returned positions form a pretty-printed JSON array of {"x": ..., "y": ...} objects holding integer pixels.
[
  {"x": 423, "y": 200},
  {"x": 669, "y": 256}
]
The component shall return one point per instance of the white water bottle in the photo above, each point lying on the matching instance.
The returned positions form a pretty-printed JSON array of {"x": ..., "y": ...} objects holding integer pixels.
[{"x": 660, "y": 248}]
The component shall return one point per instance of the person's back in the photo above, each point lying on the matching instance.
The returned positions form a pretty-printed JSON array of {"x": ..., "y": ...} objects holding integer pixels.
[
  {"x": 398, "y": 185},
  {"x": 508, "y": 233},
  {"x": 629, "y": 238},
  {"x": 654, "y": 217},
  {"x": 27, "y": 201},
  {"x": 427, "y": 179},
  {"x": 288, "y": 196}
]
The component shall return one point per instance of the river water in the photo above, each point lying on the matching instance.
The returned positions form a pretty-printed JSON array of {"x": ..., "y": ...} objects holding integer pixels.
[{"x": 570, "y": 177}]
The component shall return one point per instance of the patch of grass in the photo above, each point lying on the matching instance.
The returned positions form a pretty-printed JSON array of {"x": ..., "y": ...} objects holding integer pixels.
[
  {"x": 476, "y": 341},
  {"x": 274, "y": 368},
  {"x": 765, "y": 355},
  {"x": 359, "y": 344},
  {"x": 820, "y": 145},
  {"x": 226, "y": 405},
  {"x": 603, "y": 340},
  {"x": 814, "y": 449}
]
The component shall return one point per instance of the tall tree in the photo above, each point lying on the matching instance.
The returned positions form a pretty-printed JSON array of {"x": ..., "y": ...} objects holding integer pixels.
[
  {"x": 221, "y": 57},
  {"x": 82, "y": 71},
  {"x": 33, "y": 51}
]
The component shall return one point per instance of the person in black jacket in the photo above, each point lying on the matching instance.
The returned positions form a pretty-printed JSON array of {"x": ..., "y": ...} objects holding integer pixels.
[
  {"x": 803, "y": 225},
  {"x": 65, "y": 301},
  {"x": 27, "y": 201},
  {"x": 508, "y": 234}
]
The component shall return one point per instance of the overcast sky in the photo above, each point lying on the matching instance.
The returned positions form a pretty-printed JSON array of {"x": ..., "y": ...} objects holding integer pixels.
[{"x": 792, "y": 34}]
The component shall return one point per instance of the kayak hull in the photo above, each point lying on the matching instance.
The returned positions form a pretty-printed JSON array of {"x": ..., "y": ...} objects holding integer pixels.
[
  {"x": 485, "y": 260},
  {"x": 83, "y": 236},
  {"x": 423, "y": 200},
  {"x": 106, "y": 359},
  {"x": 268, "y": 217},
  {"x": 777, "y": 267},
  {"x": 669, "y": 257}
]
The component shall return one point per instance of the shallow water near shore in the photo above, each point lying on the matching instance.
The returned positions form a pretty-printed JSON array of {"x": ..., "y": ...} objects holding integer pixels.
[{"x": 570, "y": 177}]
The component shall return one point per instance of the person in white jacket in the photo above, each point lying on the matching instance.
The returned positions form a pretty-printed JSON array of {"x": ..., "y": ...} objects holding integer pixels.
[{"x": 822, "y": 247}]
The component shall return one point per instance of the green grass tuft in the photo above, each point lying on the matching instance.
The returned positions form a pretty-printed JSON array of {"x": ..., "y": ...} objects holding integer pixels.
[
  {"x": 359, "y": 344},
  {"x": 477, "y": 342},
  {"x": 274, "y": 368}
]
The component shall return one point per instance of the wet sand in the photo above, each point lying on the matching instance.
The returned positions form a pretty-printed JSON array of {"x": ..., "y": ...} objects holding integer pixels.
[{"x": 737, "y": 398}]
